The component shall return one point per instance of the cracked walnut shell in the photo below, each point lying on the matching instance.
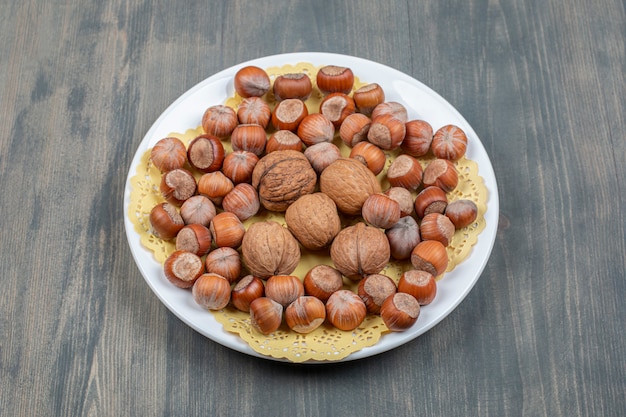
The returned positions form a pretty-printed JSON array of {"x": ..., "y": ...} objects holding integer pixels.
[
  {"x": 313, "y": 220},
  {"x": 281, "y": 177},
  {"x": 269, "y": 249}
]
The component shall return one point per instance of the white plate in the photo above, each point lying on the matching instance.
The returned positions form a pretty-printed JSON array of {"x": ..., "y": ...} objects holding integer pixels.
[{"x": 421, "y": 102}]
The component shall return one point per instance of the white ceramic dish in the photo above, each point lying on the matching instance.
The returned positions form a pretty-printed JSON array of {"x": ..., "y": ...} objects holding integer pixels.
[{"x": 421, "y": 102}]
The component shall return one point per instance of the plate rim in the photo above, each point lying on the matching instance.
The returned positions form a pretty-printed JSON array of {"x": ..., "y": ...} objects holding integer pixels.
[{"x": 486, "y": 238}]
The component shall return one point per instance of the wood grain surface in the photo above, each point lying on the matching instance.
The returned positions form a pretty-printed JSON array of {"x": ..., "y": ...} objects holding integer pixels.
[{"x": 541, "y": 334}]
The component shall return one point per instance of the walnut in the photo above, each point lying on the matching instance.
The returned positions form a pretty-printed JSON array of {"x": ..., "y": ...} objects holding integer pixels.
[
  {"x": 360, "y": 250},
  {"x": 348, "y": 182},
  {"x": 281, "y": 177},
  {"x": 269, "y": 249},
  {"x": 313, "y": 220}
]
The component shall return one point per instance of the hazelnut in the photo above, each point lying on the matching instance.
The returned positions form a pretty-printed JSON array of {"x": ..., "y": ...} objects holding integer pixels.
[
  {"x": 269, "y": 249},
  {"x": 321, "y": 281},
  {"x": 281, "y": 177},
  {"x": 282, "y": 140},
  {"x": 417, "y": 139},
  {"x": 238, "y": 166},
  {"x": 360, "y": 250},
  {"x": 348, "y": 183},
  {"x": 436, "y": 226},
  {"x": 336, "y": 107},
  {"x": 335, "y": 79},
  {"x": 403, "y": 197},
  {"x": 284, "y": 289},
  {"x": 430, "y": 200},
  {"x": 430, "y": 256},
  {"x": 315, "y": 128},
  {"x": 211, "y": 291},
  {"x": 354, "y": 129},
  {"x": 206, "y": 153},
  {"x": 165, "y": 221},
  {"x": 177, "y": 186},
  {"x": 392, "y": 108},
  {"x": 400, "y": 311},
  {"x": 243, "y": 201},
  {"x": 420, "y": 284},
  {"x": 380, "y": 210},
  {"x": 386, "y": 132},
  {"x": 215, "y": 186},
  {"x": 462, "y": 213},
  {"x": 293, "y": 85},
  {"x": 374, "y": 290},
  {"x": 252, "y": 81},
  {"x": 194, "y": 238},
  {"x": 224, "y": 261},
  {"x": 266, "y": 315},
  {"x": 288, "y": 114},
  {"x": 403, "y": 237},
  {"x": 198, "y": 209},
  {"x": 345, "y": 310},
  {"x": 449, "y": 142},
  {"x": 321, "y": 155},
  {"x": 313, "y": 220},
  {"x": 183, "y": 268},
  {"x": 249, "y": 137},
  {"x": 227, "y": 230},
  {"x": 168, "y": 154},
  {"x": 254, "y": 110},
  {"x": 305, "y": 314},
  {"x": 405, "y": 171},
  {"x": 368, "y": 97},
  {"x": 441, "y": 173},
  {"x": 219, "y": 120},
  {"x": 248, "y": 289},
  {"x": 370, "y": 155}
]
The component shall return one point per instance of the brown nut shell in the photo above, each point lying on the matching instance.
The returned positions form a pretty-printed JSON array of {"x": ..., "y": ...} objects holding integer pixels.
[
  {"x": 430, "y": 256},
  {"x": 269, "y": 249},
  {"x": 400, "y": 311},
  {"x": 449, "y": 142},
  {"x": 248, "y": 289},
  {"x": 313, "y": 220},
  {"x": 194, "y": 238},
  {"x": 284, "y": 289},
  {"x": 436, "y": 226},
  {"x": 281, "y": 177},
  {"x": 227, "y": 230},
  {"x": 403, "y": 237},
  {"x": 206, "y": 153},
  {"x": 345, "y": 310},
  {"x": 441, "y": 173},
  {"x": 266, "y": 315},
  {"x": 420, "y": 284},
  {"x": 374, "y": 290},
  {"x": 224, "y": 261},
  {"x": 462, "y": 213},
  {"x": 321, "y": 281},
  {"x": 165, "y": 221},
  {"x": 182, "y": 268},
  {"x": 348, "y": 183},
  {"x": 305, "y": 314},
  {"x": 168, "y": 154},
  {"x": 360, "y": 250},
  {"x": 211, "y": 291}
]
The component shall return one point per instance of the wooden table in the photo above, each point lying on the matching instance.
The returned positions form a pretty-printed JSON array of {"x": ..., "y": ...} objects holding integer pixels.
[{"x": 542, "y": 332}]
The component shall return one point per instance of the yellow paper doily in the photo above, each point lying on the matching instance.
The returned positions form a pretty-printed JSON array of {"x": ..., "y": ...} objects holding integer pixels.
[{"x": 327, "y": 342}]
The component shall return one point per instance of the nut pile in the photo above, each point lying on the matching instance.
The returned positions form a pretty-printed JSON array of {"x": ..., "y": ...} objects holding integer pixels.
[{"x": 283, "y": 160}]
